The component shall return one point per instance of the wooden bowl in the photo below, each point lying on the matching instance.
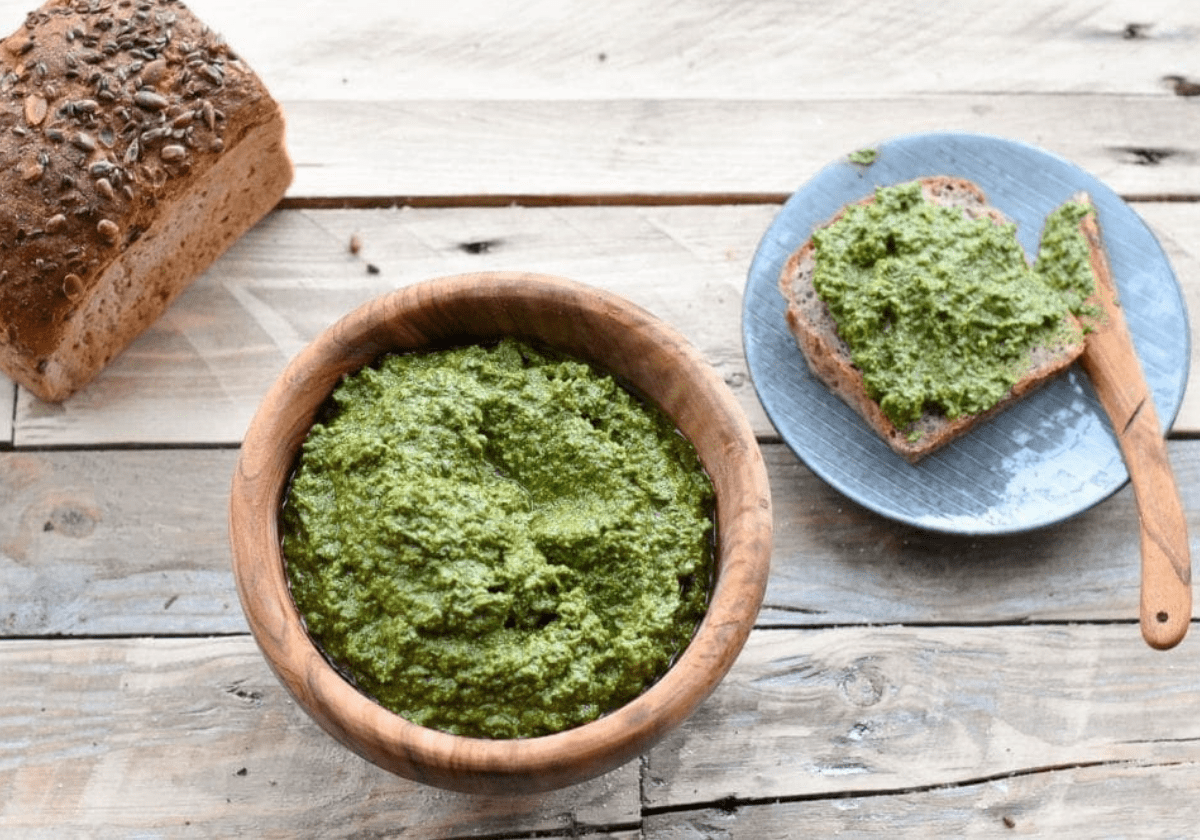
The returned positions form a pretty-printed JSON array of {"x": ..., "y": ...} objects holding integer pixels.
[{"x": 587, "y": 323}]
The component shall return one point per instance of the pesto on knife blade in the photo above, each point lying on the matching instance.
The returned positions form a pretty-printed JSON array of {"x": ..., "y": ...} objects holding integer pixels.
[{"x": 497, "y": 541}]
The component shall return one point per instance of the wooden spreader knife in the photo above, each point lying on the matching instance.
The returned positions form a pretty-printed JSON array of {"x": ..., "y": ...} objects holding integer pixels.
[{"x": 1110, "y": 360}]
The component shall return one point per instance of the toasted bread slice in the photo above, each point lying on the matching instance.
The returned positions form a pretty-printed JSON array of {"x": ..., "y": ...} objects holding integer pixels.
[{"x": 829, "y": 357}]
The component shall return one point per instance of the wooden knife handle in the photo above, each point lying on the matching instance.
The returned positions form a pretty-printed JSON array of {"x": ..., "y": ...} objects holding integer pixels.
[
  {"x": 1166, "y": 608},
  {"x": 1166, "y": 603}
]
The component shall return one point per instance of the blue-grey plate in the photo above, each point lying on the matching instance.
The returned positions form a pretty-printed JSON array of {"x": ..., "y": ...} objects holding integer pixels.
[{"x": 1047, "y": 458}]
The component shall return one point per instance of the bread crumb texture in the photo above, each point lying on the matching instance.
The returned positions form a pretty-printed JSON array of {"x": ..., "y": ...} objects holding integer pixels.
[{"x": 115, "y": 116}]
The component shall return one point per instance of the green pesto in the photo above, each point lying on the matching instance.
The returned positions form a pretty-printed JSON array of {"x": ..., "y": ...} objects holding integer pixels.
[
  {"x": 497, "y": 541},
  {"x": 1064, "y": 260},
  {"x": 939, "y": 311}
]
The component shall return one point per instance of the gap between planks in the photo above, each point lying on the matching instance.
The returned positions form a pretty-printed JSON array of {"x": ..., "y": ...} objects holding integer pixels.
[
  {"x": 367, "y": 202},
  {"x": 732, "y": 803}
]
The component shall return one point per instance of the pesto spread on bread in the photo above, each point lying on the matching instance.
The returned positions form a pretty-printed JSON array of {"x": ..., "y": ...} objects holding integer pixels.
[
  {"x": 497, "y": 541},
  {"x": 941, "y": 311},
  {"x": 1064, "y": 260}
]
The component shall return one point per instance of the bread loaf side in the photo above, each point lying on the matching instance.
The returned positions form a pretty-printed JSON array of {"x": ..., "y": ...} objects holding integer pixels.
[{"x": 137, "y": 146}]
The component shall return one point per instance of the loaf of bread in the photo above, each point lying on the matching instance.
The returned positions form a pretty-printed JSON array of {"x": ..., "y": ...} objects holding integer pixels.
[
  {"x": 830, "y": 358},
  {"x": 136, "y": 147}
]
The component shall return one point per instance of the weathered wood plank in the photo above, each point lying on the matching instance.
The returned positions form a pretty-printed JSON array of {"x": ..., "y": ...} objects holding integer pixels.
[
  {"x": 195, "y": 738},
  {"x": 891, "y": 709},
  {"x": 721, "y": 49},
  {"x": 904, "y": 729},
  {"x": 710, "y": 96},
  {"x": 134, "y": 542},
  {"x": 197, "y": 374},
  {"x": 701, "y": 48},
  {"x": 1118, "y": 799},
  {"x": 464, "y": 149},
  {"x": 120, "y": 543},
  {"x": 8, "y": 404},
  {"x": 837, "y": 563}
]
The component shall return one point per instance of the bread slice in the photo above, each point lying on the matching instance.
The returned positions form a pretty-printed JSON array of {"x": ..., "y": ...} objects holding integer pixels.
[
  {"x": 829, "y": 357},
  {"x": 137, "y": 147}
]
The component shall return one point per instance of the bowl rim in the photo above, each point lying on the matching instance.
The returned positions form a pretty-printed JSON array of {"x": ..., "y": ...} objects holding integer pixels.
[{"x": 436, "y": 757}]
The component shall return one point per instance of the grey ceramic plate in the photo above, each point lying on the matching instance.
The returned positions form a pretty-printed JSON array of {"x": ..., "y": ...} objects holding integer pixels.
[{"x": 1047, "y": 458}]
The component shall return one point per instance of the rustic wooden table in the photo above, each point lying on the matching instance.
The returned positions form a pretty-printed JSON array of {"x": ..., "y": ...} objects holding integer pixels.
[{"x": 899, "y": 683}]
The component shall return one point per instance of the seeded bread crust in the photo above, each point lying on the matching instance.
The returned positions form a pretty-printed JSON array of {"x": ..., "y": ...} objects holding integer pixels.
[
  {"x": 136, "y": 148},
  {"x": 828, "y": 357}
]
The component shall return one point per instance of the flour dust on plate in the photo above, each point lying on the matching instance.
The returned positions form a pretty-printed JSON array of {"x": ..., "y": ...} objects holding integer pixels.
[{"x": 1045, "y": 459}]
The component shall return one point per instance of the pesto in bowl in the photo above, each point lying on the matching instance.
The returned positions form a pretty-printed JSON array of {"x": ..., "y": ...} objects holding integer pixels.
[{"x": 497, "y": 541}]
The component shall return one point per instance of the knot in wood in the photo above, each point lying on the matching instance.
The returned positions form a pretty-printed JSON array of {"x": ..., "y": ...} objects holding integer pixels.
[
  {"x": 72, "y": 520},
  {"x": 863, "y": 684}
]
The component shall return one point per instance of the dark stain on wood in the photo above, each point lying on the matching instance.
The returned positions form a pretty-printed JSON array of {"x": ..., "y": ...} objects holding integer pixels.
[
  {"x": 1145, "y": 155},
  {"x": 1182, "y": 85},
  {"x": 71, "y": 521},
  {"x": 250, "y": 696},
  {"x": 479, "y": 246}
]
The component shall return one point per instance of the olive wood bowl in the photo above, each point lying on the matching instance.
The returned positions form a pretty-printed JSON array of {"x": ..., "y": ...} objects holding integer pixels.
[{"x": 590, "y": 324}]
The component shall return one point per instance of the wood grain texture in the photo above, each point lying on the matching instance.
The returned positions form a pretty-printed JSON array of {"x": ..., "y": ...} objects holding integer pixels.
[
  {"x": 465, "y": 151},
  {"x": 888, "y": 709},
  {"x": 898, "y": 684},
  {"x": 112, "y": 543},
  {"x": 197, "y": 374},
  {"x": 703, "y": 97},
  {"x": 836, "y": 563},
  {"x": 195, "y": 738},
  {"x": 131, "y": 551},
  {"x": 700, "y": 48},
  {"x": 1088, "y": 801},
  {"x": 8, "y": 402},
  {"x": 905, "y": 727}
]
